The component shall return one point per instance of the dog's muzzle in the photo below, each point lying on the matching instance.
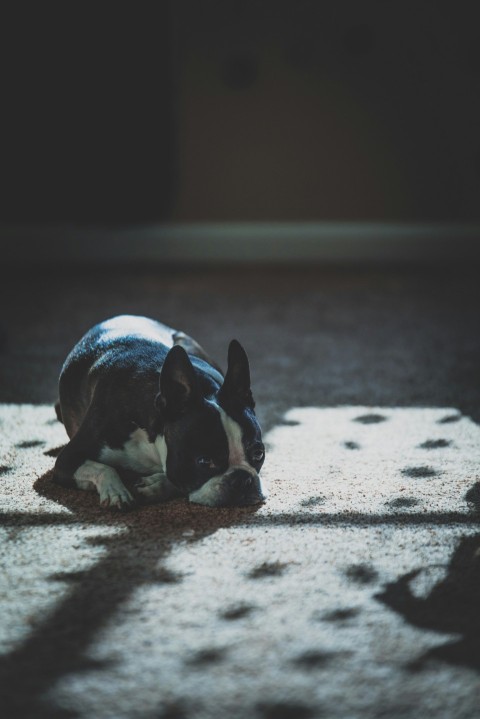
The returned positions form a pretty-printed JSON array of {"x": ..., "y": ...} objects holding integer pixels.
[
  {"x": 242, "y": 488},
  {"x": 238, "y": 487}
]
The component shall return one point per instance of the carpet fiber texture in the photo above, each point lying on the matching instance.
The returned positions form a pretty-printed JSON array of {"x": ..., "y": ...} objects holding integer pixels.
[{"x": 354, "y": 591}]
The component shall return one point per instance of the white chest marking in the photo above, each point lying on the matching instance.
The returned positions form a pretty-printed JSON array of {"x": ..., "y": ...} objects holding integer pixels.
[
  {"x": 236, "y": 451},
  {"x": 138, "y": 454}
]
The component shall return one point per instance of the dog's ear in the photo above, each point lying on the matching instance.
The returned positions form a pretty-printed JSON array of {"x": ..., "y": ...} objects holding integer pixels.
[
  {"x": 236, "y": 386},
  {"x": 178, "y": 385}
]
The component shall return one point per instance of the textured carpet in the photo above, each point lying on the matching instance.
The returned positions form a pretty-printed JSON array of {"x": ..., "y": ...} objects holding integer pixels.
[{"x": 353, "y": 592}]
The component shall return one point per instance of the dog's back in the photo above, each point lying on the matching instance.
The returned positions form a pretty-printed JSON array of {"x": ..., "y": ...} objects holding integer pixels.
[{"x": 124, "y": 348}]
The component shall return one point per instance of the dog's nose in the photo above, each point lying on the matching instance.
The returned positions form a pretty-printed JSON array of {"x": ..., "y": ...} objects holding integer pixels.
[
  {"x": 242, "y": 488},
  {"x": 240, "y": 479}
]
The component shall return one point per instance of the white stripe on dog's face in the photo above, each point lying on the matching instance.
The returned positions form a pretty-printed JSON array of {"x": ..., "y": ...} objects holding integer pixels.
[
  {"x": 236, "y": 450},
  {"x": 217, "y": 492}
]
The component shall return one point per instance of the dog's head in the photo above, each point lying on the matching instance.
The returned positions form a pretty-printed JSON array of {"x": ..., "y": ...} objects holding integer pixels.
[{"x": 214, "y": 442}]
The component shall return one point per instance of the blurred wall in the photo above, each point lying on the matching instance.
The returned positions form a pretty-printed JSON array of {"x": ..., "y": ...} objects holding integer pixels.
[
  {"x": 220, "y": 110},
  {"x": 87, "y": 104},
  {"x": 334, "y": 109}
]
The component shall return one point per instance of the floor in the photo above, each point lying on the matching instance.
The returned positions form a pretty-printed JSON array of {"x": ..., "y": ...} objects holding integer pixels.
[{"x": 353, "y": 592}]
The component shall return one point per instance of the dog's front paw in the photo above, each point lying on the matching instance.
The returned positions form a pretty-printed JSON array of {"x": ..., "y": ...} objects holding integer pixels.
[{"x": 115, "y": 497}]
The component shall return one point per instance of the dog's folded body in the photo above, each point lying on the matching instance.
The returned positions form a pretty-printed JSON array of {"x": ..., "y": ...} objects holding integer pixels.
[{"x": 138, "y": 395}]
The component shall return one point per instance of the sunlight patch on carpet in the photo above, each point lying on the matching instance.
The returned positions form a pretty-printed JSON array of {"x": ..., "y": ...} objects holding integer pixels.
[
  {"x": 321, "y": 599},
  {"x": 377, "y": 460}
]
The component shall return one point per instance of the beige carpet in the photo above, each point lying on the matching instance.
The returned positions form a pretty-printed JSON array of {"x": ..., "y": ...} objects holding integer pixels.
[{"x": 353, "y": 592}]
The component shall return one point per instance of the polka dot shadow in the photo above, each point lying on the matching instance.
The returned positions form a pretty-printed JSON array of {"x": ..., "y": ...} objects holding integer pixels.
[
  {"x": 473, "y": 496},
  {"x": 361, "y": 573},
  {"x": 29, "y": 443},
  {"x": 351, "y": 445},
  {"x": 285, "y": 710},
  {"x": 341, "y": 615},
  {"x": 209, "y": 655},
  {"x": 402, "y": 502},
  {"x": 314, "y": 659},
  {"x": 449, "y": 418},
  {"x": 238, "y": 611},
  {"x": 422, "y": 472},
  {"x": 268, "y": 569},
  {"x": 313, "y": 501},
  {"x": 435, "y": 444},
  {"x": 370, "y": 418}
]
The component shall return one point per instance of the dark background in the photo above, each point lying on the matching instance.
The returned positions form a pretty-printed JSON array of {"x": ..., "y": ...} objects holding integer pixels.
[{"x": 132, "y": 113}]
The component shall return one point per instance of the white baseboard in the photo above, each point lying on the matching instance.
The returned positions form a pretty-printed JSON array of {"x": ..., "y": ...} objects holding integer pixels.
[{"x": 280, "y": 242}]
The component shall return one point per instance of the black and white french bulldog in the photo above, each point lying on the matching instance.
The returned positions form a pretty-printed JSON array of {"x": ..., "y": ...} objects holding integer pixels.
[{"x": 138, "y": 395}]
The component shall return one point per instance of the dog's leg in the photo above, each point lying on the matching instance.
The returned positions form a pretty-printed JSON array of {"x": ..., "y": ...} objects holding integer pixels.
[
  {"x": 94, "y": 475},
  {"x": 157, "y": 488},
  {"x": 74, "y": 468}
]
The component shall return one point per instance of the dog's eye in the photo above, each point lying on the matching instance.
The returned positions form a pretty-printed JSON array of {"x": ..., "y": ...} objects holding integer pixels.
[
  {"x": 206, "y": 462},
  {"x": 258, "y": 455}
]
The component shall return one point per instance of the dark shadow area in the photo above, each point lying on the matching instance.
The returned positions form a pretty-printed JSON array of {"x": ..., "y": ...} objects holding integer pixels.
[
  {"x": 364, "y": 519},
  {"x": 268, "y": 569},
  {"x": 370, "y": 418},
  {"x": 173, "y": 710},
  {"x": 209, "y": 655},
  {"x": 452, "y": 606},
  {"x": 29, "y": 443},
  {"x": 285, "y": 710},
  {"x": 473, "y": 496},
  {"x": 449, "y": 418},
  {"x": 313, "y": 501},
  {"x": 315, "y": 659},
  {"x": 402, "y": 502},
  {"x": 435, "y": 444},
  {"x": 351, "y": 445},
  {"x": 237, "y": 611},
  {"x": 340, "y": 615},
  {"x": 422, "y": 472},
  {"x": 361, "y": 574}
]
